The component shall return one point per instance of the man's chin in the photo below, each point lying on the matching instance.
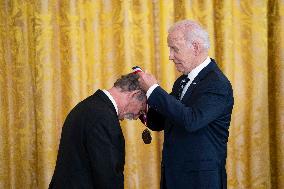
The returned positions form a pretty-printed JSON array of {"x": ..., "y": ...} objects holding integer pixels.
[
  {"x": 125, "y": 118},
  {"x": 178, "y": 67},
  {"x": 129, "y": 119},
  {"x": 129, "y": 116}
]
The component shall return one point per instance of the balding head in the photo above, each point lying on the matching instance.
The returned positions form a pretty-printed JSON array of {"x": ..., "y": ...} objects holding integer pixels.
[{"x": 192, "y": 32}]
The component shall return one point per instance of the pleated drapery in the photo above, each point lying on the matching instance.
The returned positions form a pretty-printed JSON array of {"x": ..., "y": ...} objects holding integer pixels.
[{"x": 55, "y": 53}]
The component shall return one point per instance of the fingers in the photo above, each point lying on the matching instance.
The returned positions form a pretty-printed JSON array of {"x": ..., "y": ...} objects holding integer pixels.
[
  {"x": 144, "y": 75},
  {"x": 141, "y": 76}
]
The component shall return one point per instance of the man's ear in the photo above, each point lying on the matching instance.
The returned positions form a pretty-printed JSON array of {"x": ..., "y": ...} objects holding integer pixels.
[
  {"x": 196, "y": 48},
  {"x": 134, "y": 93}
]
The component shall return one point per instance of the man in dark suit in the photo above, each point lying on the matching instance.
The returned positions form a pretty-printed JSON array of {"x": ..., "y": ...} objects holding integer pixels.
[
  {"x": 196, "y": 115},
  {"x": 91, "y": 152}
]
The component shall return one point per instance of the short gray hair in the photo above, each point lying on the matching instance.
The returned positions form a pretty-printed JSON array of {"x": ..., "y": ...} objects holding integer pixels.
[
  {"x": 129, "y": 82},
  {"x": 192, "y": 32}
]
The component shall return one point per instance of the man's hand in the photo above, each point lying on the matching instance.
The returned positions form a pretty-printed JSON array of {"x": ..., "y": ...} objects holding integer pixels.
[{"x": 146, "y": 80}]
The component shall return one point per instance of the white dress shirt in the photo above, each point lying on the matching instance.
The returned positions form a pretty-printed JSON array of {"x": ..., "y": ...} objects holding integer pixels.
[
  {"x": 194, "y": 73},
  {"x": 111, "y": 99},
  {"x": 191, "y": 76}
]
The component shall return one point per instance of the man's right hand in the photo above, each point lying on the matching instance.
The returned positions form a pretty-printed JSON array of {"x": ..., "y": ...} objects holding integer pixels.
[{"x": 146, "y": 80}]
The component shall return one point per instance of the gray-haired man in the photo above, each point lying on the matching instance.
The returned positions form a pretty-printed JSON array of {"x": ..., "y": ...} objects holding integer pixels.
[{"x": 91, "y": 152}]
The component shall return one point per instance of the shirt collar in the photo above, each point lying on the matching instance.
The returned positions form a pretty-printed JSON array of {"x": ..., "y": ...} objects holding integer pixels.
[
  {"x": 196, "y": 70},
  {"x": 111, "y": 99}
]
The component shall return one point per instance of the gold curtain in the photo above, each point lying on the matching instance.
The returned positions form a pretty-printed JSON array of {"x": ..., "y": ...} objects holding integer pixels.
[{"x": 55, "y": 53}]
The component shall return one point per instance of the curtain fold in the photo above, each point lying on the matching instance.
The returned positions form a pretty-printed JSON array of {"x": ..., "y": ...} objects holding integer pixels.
[{"x": 54, "y": 54}]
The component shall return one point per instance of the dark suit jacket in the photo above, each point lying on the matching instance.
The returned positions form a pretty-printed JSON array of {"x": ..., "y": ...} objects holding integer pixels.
[
  {"x": 91, "y": 151},
  {"x": 195, "y": 130}
]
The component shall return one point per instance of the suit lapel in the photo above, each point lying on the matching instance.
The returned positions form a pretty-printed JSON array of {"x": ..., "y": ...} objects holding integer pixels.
[
  {"x": 116, "y": 134},
  {"x": 176, "y": 87},
  {"x": 105, "y": 98},
  {"x": 190, "y": 89},
  {"x": 211, "y": 66}
]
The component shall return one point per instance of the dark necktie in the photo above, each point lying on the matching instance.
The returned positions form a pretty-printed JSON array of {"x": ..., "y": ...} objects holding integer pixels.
[{"x": 182, "y": 84}]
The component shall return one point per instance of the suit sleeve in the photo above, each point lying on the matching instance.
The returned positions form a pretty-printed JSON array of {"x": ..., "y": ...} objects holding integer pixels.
[
  {"x": 104, "y": 156},
  {"x": 156, "y": 120},
  {"x": 207, "y": 107}
]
